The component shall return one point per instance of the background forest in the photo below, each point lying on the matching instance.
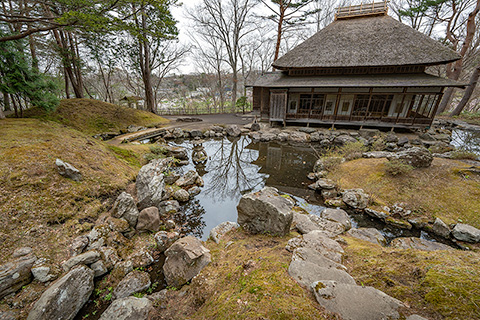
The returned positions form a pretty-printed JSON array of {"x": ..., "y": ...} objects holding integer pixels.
[{"x": 133, "y": 52}]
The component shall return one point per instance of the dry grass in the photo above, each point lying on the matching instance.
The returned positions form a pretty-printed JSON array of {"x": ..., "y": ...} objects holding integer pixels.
[
  {"x": 438, "y": 191},
  {"x": 435, "y": 284},
  {"x": 247, "y": 280},
  {"x": 40, "y": 208},
  {"x": 93, "y": 117}
]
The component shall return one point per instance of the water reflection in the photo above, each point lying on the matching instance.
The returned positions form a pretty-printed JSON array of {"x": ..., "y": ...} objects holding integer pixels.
[
  {"x": 238, "y": 166},
  {"x": 466, "y": 139}
]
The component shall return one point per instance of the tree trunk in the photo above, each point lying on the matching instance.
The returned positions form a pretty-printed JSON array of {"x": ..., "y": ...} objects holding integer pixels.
[
  {"x": 446, "y": 99},
  {"x": 468, "y": 92},
  {"x": 2, "y": 115},
  {"x": 279, "y": 31},
  {"x": 234, "y": 88},
  {"x": 6, "y": 102},
  {"x": 147, "y": 70}
]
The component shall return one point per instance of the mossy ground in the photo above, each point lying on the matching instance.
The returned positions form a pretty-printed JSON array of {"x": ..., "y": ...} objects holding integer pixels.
[
  {"x": 435, "y": 284},
  {"x": 247, "y": 279},
  {"x": 93, "y": 116},
  {"x": 40, "y": 208},
  {"x": 437, "y": 191}
]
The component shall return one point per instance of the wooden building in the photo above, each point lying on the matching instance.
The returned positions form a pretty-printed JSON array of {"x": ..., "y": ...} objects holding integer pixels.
[{"x": 365, "y": 68}]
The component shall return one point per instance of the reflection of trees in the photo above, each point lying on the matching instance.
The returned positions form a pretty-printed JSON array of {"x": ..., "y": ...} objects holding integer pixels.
[
  {"x": 231, "y": 169},
  {"x": 467, "y": 139},
  {"x": 190, "y": 219}
]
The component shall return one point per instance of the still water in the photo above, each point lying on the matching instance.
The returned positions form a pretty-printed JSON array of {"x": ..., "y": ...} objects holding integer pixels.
[{"x": 239, "y": 166}]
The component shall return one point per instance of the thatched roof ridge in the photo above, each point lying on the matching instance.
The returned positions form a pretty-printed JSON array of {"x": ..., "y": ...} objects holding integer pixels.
[
  {"x": 281, "y": 80},
  {"x": 366, "y": 41}
]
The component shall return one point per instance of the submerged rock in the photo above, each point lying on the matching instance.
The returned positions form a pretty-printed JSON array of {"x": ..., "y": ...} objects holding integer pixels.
[
  {"x": 185, "y": 259},
  {"x": 265, "y": 211},
  {"x": 65, "y": 297}
]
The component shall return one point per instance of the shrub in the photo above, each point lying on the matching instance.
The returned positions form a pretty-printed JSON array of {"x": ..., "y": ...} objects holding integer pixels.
[
  {"x": 378, "y": 145},
  {"x": 331, "y": 160},
  {"x": 397, "y": 167},
  {"x": 353, "y": 150},
  {"x": 158, "y": 150}
]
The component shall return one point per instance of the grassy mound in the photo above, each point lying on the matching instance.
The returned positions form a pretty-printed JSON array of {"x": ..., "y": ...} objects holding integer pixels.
[
  {"x": 435, "y": 284},
  {"x": 93, "y": 116},
  {"x": 246, "y": 280},
  {"x": 40, "y": 208},
  {"x": 438, "y": 191}
]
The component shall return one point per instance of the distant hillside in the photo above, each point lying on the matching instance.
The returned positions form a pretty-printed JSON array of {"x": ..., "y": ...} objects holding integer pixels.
[{"x": 93, "y": 116}]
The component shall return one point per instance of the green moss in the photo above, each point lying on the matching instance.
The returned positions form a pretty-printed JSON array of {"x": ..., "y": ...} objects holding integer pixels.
[{"x": 129, "y": 156}]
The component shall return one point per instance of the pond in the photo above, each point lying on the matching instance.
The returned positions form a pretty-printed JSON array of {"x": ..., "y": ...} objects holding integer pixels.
[
  {"x": 466, "y": 139},
  {"x": 239, "y": 166}
]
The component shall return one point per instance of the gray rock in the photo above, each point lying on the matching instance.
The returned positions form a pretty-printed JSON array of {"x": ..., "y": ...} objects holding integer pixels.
[
  {"x": 129, "y": 308},
  {"x": 15, "y": 274},
  {"x": 165, "y": 239},
  {"x": 196, "y": 133},
  {"x": 465, "y": 232},
  {"x": 265, "y": 211},
  {"x": 354, "y": 302},
  {"x": 148, "y": 220},
  {"x": 170, "y": 225},
  {"x": 176, "y": 152},
  {"x": 177, "y": 133},
  {"x": 343, "y": 139},
  {"x": 283, "y": 136},
  {"x": 325, "y": 184},
  {"x": 418, "y": 244},
  {"x": 88, "y": 257},
  {"x": 376, "y": 214},
  {"x": 337, "y": 215},
  {"x": 255, "y": 126},
  {"x": 416, "y": 157},
  {"x": 440, "y": 228},
  {"x": 356, "y": 198},
  {"x": 377, "y": 154},
  {"x": 402, "y": 141},
  {"x": 306, "y": 273},
  {"x": 313, "y": 256},
  {"x": 303, "y": 223},
  {"x": 391, "y": 138},
  {"x": 268, "y": 136},
  {"x": 185, "y": 259},
  {"x": 369, "y": 133},
  {"x": 171, "y": 177},
  {"x": 217, "y": 233},
  {"x": 109, "y": 256},
  {"x": 181, "y": 195},
  {"x": 117, "y": 225},
  {"x": 298, "y": 137},
  {"x": 9, "y": 315},
  {"x": 135, "y": 281},
  {"x": 150, "y": 182},
  {"x": 193, "y": 191},
  {"x": 233, "y": 131},
  {"x": 320, "y": 241},
  {"x": 42, "y": 271},
  {"x": 217, "y": 129},
  {"x": 99, "y": 268},
  {"x": 329, "y": 227},
  {"x": 78, "y": 245},
  {"x": 141, "y": 258},
  {"x": 125, "y": 207},
  {"x": 168, "y": 207},
  {"x": 368, "y": 234},
  {"x": 21, "y": 252},
  {"x": 416, "y": 317},
  {"x": 188, "y": 179},
  {"x": 65, "y": 297},
  {"x": 68, "y": 171}
]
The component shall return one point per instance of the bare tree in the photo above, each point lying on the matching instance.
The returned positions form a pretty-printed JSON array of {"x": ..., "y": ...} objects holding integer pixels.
[{"x": 228, "y": 22}]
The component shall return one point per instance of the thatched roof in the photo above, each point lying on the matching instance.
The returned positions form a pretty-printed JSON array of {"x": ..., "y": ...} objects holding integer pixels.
[
  {"x": 281, "y": 80},
  {"x": 366, "y": 41}
]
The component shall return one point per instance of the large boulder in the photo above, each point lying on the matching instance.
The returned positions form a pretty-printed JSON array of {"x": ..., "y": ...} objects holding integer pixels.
[
  {"x": 416, "y": 157},
  {"x": 135, "y": 281},
  {"x": 125, "y": 207},
  {"x": 265, "y": 211},
  {"x": 315, "y": 257},
  {"x": 298, "y": 137},
  {"x": 176, "y": 152},
  {"x": 15, "y": 274},
  {"x": 188, "y": 179},
  {"x": 465, "y": 232},
  {"x": 129, "y": 308},
  {"x": 440, "y": 228},
  {"x": 65, "y": 297},
  {"x": 322, "y": 243},
  {"x": 150, "y": 182},
  {"x": 148, "y": 220},
  {"x": 185, "y": 259},
  {"x": 356, "y": 198},
  {"x": 354, "y": 302},
  {"x": 66, "y": 170},
  {"x": 337, "y": 215}
]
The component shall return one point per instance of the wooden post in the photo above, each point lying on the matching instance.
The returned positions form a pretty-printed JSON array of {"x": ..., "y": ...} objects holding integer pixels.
[
  {"x": 339, "y": 97},
  {"x": 403, "y": 100},
  {"x": 416, "y": 112}
]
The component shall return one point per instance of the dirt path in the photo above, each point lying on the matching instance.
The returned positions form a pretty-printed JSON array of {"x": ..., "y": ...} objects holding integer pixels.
[{"x": 207, "y": 122}]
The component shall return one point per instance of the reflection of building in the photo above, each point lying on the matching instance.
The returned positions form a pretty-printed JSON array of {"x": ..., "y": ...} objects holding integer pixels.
[{"x": 364, "y": 68}]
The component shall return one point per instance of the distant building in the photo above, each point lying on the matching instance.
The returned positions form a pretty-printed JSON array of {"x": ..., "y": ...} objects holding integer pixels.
[
  {"x": 132, "y": 102},
  {"x": 365, "y": 68}
]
